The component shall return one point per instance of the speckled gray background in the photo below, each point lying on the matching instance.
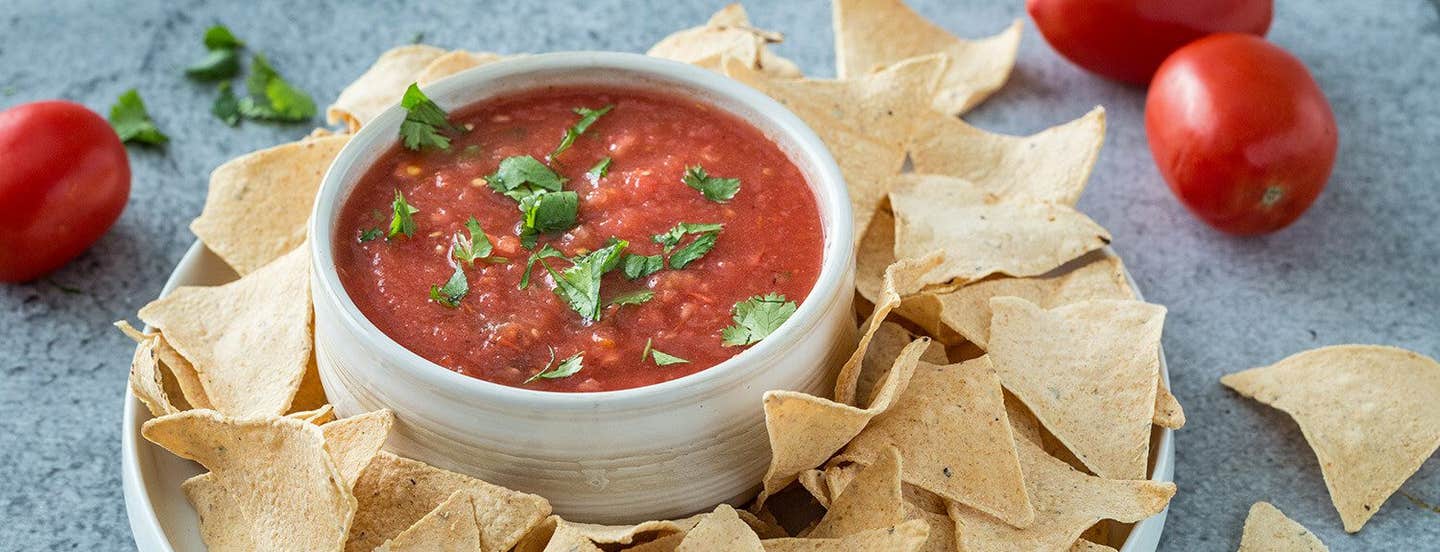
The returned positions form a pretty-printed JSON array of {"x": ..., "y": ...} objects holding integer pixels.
[{"x": 1360, "y": 267}]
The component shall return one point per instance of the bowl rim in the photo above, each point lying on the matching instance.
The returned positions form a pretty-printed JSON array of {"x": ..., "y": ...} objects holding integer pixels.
[{"x": 804, "y": 147}]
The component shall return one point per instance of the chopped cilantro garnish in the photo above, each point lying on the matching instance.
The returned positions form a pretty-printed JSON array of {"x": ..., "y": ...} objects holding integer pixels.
[
  {"x": 640, "y": 266},
  {"x": 692, "y": 251},
  {"x": 453, "y": 291},
  {"x": 550, "y": 211},
  {"x": 631, "y": 298},
  {"x": 579, "y": 285},
  {"x": 475, "y": 246},
  {"x": 226, "y": 106},
  {"x": 270, "y": 98},
  {"x": 370, "y": 234},
  {"x": 713, "y": 188},
  {"x": 537, "y": 189},
  {"x": 600, "y": 169},
  {"x": 217, "y": 65},
  {"x": 423, "y": 121},
  {"x": 522, "y": 176},
  {"x": 219, "y": 37},
  {"x": 587, "y": 117},
  {"x": 661, "y": 359},
  {"x": 672, "y": 237},
  {"x": 567, "y": 367},
  {"x": 545, "y": 252},
  {"x": 401, "y": 222},
  {"x": 756, "y": 318},
  {"x": 132, "y": 123}
]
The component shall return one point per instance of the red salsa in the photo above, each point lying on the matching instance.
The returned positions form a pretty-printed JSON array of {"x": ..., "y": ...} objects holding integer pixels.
[{"x": 667, "y": 236}]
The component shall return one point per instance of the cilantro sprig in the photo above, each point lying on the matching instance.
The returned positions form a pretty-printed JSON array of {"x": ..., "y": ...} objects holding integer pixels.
[
  {"x": 568, "y": 367},
  {"x": 270, "y": 98},
  {"x": 659, "y": 358},
  {"x": 706, "y": 234},
  {"x": 756, "y": 318},
  {"x": 587, "y": 117},
  {"x": 579, "y": 285},
  {"x": 467, "y": 249},
  {"x": 640, "y": 266},
  {"x": 222, "y": 58},
  {"x": 454, "y": 290},
  {"x": 401, "y": 221},
  {"x": 537, "y": 190},
  {"x": 424, "y": 122},
  {"x": 132, "y": 122},
  {"x": 713, "y": 188}
]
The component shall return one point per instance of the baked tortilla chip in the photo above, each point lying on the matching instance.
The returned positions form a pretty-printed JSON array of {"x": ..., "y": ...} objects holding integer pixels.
[
  {"x": 450, "y": 527},
  {"x": 271, "y": 484},
  {"x": 906, "y": 537},
  {"x": 319, "y": 416},
  {"x": 967, "y": 309},
  {"x": 721, "y": 531},
  {"x": 950, "y": 425},
  {"x": 1267, "y": 529},
  {"x": 885, "y": 346},
  {"x": 395, "y": 492},
  {"x": 805, "y": 430},
  {"x": 1051, "y": 166},
  {"x": 871, "y": 501},
  {"x": 249, "y": 340},
  {"x": 864, "y": 121},
  {"x": 353, "y": 441},
  {"x": 873, "y": 34},
  {"x": 629, "y": 534},
  {"x": 381, "y": 85},
  {"x": 728, "y": 34},
  {"x": 1371, "y": 413},
  {"x": 453, "y": 62},
  {"x": 1083, "y": 545},
  {"x": 148, "y": 382},
  {"x": 942, "y": 530},
  {"x": 539, "y": 537},
  {"x": 900, "y": 279},
  {"x": 983, "y": 234},
  {"x": 1066, "y": 503},
  {"x": 259, "y": 203},
  {"x": 1087, "y": 371},
  {"x": 192, "y": 393}
]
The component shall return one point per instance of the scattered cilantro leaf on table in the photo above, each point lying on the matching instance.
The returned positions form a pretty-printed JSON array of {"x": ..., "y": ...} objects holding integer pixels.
[
  {"x": 132, "y": 122},
  {"x": 756, "y": 318},
  {"x": 216, "y": 65},
  {"x": 270, "y": 98},
  {"x": 219, "y": 37},
  {"x": 226, "y": 106},
  {"x": 713, "y": 188}
]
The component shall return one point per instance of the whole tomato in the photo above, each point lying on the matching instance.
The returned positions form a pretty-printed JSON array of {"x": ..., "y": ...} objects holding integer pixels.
[
  {"x": 1241, "y": 132},
  {"x": 64, "y": 178},
  {"x": 1127, "y": 39}
]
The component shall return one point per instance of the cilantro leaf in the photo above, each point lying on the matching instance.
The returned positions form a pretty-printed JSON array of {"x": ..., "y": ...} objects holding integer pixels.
[
  {"x": 270, "y": 98},
  {"x": 219, "y": 37},
  {"x": 640, "y": 266},
  {"x": 370, "y": 234},
  {"x": 631, "y": 298},
  {"x": 692, "y": 251},
  {"x": 475, "y": 246},
  {"x": 567, "y": 367},
  {"x": 713, "y": 188},
  {"x": 664, "y": 359},
  {"x": 423, "y": 121},
  {"x": 455, "y": 289},
  {"x": 672, "y": 237},
  {"x": 551, "y": 211},
  {"x": 756, "y": 318},
  {"x": 546, "y": 252},
  {"x": 401, "y": 222},
  {"x": 579, "y": 285},
  {"x": 600, "y": 169},
  {"x": 217, "y": 65},
  {"x": 587, "y": 117},
  {"x": 521, "y": 176},
  {"x": 132, "y": 123},
  {"x": 226, "y": 106}
]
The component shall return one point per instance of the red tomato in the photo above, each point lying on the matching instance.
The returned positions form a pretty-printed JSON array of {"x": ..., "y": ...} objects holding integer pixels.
[
  {"x": 1127, "y": 39},
  {"x": 64, "y": 179},
  {"x": 1241, "y": 132}
]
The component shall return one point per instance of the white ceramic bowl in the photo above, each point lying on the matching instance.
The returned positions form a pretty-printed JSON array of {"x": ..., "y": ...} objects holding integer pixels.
[{"x": 659, "y": 451}]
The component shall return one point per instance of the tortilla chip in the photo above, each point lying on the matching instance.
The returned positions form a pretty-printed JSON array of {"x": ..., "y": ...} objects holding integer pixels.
[
  {"x": 900, "y": 280},
  {"x": 871, "y": 501},
  {"x": 1083, "y": 545},
  {"x": 906, "y": 537},
  {"x": 1168, "y": 412},
  {"x": 259, "y": 203},
  {"x": 967, "y": 309},
  {"x": 381, "y": 85},
  {"x": 727, "y": 34},
  {"x": 805, "y": 430},
  {"x": 721, "y": 531},
  {"x": 1371, "y": 413},
  {"x": 311, "y": 393},
  {"x": 813, "y": 481},
  {"x": 192, "y": 393},
  {"x": 453, "y": 62},
  {"x": 982, "y": 234},
  {"x": 951, "y": 427},
  {"x": 885, "y": 346},
  {"x": 319, "y": 416},
  {"x": 539, "y": 536},
  {"x": 865, "y": 121},
  {"x": 567, "y": 538},
  {"x": 353, "y": 441},
  {"x": 1051, "y": 166},
  {"x": 450, "y": 527},
  {"x": 668, "y": 543},
  {"x": 629, "y": 534},
  {"x": 1066, "y": 503},
  {"x": 249, "y": 340},
  {"x": 147, "y": 379},
  {"x": 395, "y": 492},
  {"x": 1267, "y": 529},
  {"x": 271, "y": 484},
  {"x": 1087, "y": 371},
  {"x": 942, "y": 530},
  {"x": 873, "y": 34}
]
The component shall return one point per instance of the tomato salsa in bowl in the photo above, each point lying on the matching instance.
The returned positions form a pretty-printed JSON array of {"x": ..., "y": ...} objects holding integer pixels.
[{"x": 577, "y": 274}]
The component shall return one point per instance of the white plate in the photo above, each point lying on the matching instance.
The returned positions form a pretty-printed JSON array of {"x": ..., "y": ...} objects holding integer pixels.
[{"x": 162, "y": 520}]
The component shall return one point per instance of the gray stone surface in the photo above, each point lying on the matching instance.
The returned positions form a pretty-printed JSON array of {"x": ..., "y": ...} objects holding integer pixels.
[{"x": 1360, "y": 267}]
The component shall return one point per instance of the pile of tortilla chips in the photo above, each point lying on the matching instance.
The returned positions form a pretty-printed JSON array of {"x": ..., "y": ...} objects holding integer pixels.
[{"x": 1003, "y": 396}]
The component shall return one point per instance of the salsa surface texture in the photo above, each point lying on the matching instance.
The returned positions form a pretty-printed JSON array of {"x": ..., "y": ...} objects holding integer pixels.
[{"x": 772, "y": 240}]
